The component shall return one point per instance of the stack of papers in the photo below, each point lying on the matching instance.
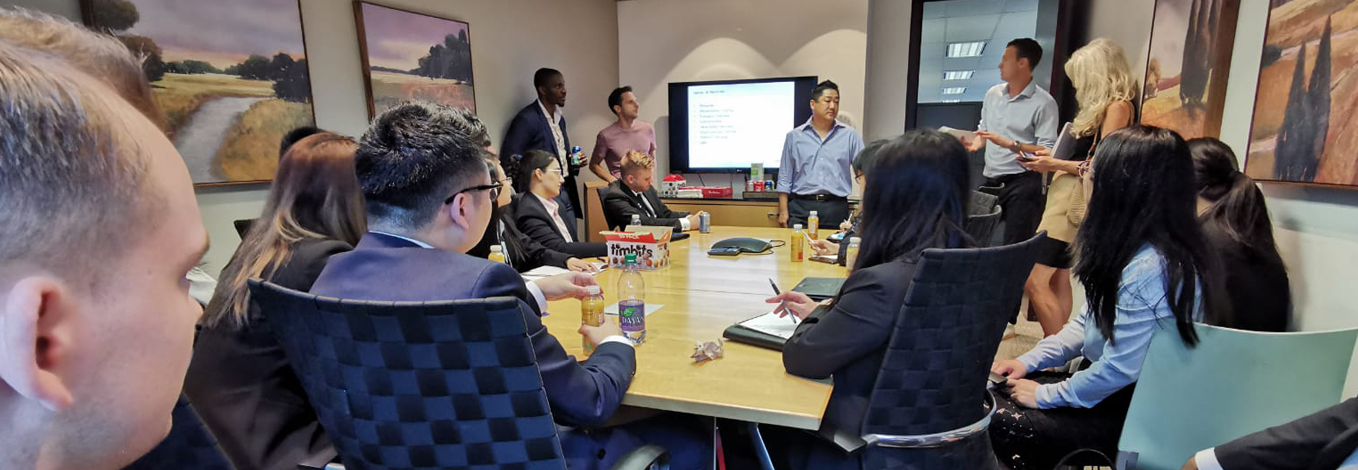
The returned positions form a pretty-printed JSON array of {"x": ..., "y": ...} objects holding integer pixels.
[{"x": 549, "y": 271}]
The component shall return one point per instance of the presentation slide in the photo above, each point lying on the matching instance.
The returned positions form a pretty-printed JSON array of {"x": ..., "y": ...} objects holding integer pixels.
[{"x": 734, "y": 125}]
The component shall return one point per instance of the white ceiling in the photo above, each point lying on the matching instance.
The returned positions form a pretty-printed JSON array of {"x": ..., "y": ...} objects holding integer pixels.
[{"x": 995, "y": 21}]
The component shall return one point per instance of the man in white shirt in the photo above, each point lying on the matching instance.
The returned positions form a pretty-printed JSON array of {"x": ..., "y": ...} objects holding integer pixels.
[{"x": 541, "y": 125}]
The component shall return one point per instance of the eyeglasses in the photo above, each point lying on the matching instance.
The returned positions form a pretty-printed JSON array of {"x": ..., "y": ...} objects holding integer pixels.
[{"x": 494, "y": 189}]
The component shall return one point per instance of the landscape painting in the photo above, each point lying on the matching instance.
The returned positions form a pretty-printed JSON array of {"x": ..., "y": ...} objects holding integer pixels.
[
  {"x": 1189, "y": 60},
  {"x": 231, "y": 77},
  {"x": 1305, "y": 128},
  {"x": 411, "y": 56}
]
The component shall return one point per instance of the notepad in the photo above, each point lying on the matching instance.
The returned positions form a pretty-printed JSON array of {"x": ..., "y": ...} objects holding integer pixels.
[
  {"x": 771, "y": 324},
  {"x": 542, "y": 272}
]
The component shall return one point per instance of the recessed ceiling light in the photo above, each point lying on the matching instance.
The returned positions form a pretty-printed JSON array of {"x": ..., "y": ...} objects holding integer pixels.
[
  {"x": 966, "y": 49},
  {"x": 954, "y": 100},
  {"x": 955, "y": 90},
  {"x": 958, "y": 74}
]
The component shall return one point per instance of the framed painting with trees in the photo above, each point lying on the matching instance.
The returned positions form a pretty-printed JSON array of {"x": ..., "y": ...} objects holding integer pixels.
[
  {"x": 1188, "y": 64},
  {"x": 231, "y": 77},
  {"x": 1305, "y": 127},
  {"x": 413, "y": 56}
]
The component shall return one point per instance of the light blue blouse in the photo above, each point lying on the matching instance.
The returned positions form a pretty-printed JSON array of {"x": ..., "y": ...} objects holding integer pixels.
[{"x": 1142, "y": 307}]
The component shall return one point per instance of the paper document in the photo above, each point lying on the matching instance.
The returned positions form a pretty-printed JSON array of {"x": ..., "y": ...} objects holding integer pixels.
[
  {"x": 966, "y": 136},
  {"x": 650, "y": 309},
  {"x": 549, "y": 271},
  {"x": 1065, "y": 145},
  {"x": 771, "y": 323}
]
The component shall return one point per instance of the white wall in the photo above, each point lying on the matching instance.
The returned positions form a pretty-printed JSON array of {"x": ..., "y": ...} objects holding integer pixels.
[
  {"x": 509, "y": 41},
  {"x": 888, "y": 68},
  {"x": 663, "y": 41}
]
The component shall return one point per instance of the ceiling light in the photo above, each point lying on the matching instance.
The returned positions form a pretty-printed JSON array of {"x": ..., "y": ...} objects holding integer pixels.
[
  {"x": 954, "y": 100},
  {"x": 958, "y": 74},
  {"x": 966, "y": 49},
  {"x": 955, "y": 90}
]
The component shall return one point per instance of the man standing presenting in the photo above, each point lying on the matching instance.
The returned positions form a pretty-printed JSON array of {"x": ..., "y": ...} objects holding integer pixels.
[
  {"x": 626, "y": 135},
  {"x": 540, "y": 125},
  {"x": 1016, "y": 117},
  {"x": 814, "y": 174}
]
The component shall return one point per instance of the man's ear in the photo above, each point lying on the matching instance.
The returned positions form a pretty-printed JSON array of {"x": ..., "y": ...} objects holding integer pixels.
[
  {"x": 35, "y": 340},
  {"x": 460, "y": 211}
]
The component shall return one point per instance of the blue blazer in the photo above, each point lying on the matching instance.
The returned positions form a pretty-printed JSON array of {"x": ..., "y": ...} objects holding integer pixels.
[
  {"x": 387, "y": 268},
  {"x": 529, "y": 131}
]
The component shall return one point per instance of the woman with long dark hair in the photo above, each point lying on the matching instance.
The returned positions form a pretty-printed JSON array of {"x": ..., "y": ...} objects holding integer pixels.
[
  {"x": 239, "y": 380},
  {"x": 1144, "y": 264},
  {"x": 538, "y": 178},
  {"x": 521, "y": 252},
  {"x": 914, "y": 199},
  {"x": 1235, "y": 219}
]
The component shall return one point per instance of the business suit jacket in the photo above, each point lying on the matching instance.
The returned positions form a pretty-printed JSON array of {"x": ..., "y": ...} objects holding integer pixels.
[
  {"x": 529, "y": 130},
  {"x": 1320, "y": 441},
  {"x": 532, "y": 219},
  {"x": 242, "y": 385},
  {"x": 620, "y": 204},
  {"x": 387, "y": 268},
  {"x": 849, "y": 342},
  {"x": 525, "y": 254}
]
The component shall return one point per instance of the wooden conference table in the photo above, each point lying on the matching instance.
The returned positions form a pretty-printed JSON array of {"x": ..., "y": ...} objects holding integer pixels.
[{"x": 702, "y": 295}]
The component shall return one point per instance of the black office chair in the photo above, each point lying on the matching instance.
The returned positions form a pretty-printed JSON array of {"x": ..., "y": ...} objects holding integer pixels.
[
  {"x": 603, "y": 192},
  {"x": 981, "y": 203},
  {"x": 189, "y": 445},
  {"x": 422, "y": 385},
  {"x": 930, "y": 407},
  {"x": 981, "y": 227},
  {"x": 243, "y": 226}
]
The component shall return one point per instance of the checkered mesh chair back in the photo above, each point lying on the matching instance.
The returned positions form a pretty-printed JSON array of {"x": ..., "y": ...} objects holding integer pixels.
[
  {"x": 418, "y": 385},
  {"x": 189, "y": 445},
  {"x": 933, "y": 377}
]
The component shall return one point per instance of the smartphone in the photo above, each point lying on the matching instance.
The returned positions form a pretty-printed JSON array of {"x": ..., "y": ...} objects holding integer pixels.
[
  {"x": 998, "y": 380},
  {"x": 728, "y": 251},
  {"x": 1026, "y": 157}
]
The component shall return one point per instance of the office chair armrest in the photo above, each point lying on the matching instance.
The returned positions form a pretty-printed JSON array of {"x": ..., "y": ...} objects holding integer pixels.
[
  {"x": 937, "y": 439},
  {"x": 645, "y": 457}
]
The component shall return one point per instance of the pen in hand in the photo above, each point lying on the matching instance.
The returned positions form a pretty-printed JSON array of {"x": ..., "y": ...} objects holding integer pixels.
[{"x": 783, "y": 304}]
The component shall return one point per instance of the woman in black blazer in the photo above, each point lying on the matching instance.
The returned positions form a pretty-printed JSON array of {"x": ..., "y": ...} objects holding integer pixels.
[
  {"x": 538, "y": 178},
  {"x": 914, "y": 199},
  {"x": 239, "y": 380},
  {"x": 521, "y": 252},
  {"x": 1234, "y": 218}
]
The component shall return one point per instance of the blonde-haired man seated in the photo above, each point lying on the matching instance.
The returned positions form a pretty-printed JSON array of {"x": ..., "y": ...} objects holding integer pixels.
[{"x": 635, "y": 194}]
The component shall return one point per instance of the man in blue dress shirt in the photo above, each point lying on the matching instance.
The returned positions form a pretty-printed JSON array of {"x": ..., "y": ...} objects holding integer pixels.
[
  {"x": 814, "y": 174},
  {"x": 1017, "y": 117}
]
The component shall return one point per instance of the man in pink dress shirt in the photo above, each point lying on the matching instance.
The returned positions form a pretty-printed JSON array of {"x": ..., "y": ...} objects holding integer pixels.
[{"x": 628, "y": 134}]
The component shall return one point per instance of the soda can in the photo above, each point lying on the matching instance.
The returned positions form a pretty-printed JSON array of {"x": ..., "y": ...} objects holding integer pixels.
[
  {"x": 768, "y": 185},
  {"x": 704, "y": 222},
  {"x": 749, "y": 186}
]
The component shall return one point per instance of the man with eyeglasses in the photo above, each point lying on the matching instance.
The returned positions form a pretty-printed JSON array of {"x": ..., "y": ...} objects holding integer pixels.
[{"x": 428, "y": 199}]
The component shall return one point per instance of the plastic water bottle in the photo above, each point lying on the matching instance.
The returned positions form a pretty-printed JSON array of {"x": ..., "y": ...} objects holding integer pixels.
[
  {"x": 636, "y": 220},
  {"x": 592, "y": 312},
  {"x": 851, "y": 254},
  {"x": 813, "y": 225},
  {"x": 496, "y": 254},
  {"x": 798, "y": 242},
  {"x": 632, "y": 301}
]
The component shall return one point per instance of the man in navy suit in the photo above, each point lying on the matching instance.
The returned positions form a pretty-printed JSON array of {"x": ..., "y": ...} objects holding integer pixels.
[
  {"x": 428, "y": 200},
  {"x": 541, "y": 126}
]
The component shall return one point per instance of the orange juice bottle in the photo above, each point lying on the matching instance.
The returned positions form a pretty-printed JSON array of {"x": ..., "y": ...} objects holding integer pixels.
[
  {"x": 798, "y": 242},
  {"x": 496, "y": 254},
  {"x": 592, "y": 312}
]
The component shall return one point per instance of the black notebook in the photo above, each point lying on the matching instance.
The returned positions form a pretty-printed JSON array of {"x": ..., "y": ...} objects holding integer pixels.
[
  {"x": 819, "y": 288},
  {"x": 766, "y": 331}
]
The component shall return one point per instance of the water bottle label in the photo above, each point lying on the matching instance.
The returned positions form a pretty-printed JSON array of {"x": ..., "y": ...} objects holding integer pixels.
[{"x": 632, "y": 319}]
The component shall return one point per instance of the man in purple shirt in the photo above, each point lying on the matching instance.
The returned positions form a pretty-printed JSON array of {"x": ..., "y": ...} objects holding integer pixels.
[{"x": 628, "y": 134}]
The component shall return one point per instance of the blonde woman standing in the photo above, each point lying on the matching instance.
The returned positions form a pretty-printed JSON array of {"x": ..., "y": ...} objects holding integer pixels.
[{"x": 1104, "y": 89}]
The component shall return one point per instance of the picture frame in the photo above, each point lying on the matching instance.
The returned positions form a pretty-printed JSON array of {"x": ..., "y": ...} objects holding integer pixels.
[{"x": 408, "y": 55}]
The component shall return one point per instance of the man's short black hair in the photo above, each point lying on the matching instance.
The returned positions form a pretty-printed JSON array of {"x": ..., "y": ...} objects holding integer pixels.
[
  {"x": 615, "y": 98},
  {"x": 295, "y": 135},
  {"x": 1025, "y": 48},
  {"x": 866, "y": 158},
  {"x": 544, "y": 75},
  {"x": 412, "y": 158},
  {"x": 821, "y": 87}
]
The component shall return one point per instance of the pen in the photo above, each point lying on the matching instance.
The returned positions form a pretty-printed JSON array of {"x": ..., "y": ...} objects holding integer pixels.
[{"x": 783, "y": 303}]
